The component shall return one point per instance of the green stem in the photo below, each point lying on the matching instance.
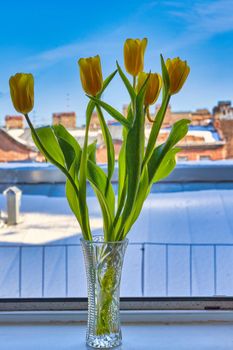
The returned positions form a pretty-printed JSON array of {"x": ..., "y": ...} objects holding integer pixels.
[
  {"x": 107, "y": 284},
  {"x": 155, "y": 129},
  {"x": 83, "y": 182},
  {"x": 134, "y": 82}
]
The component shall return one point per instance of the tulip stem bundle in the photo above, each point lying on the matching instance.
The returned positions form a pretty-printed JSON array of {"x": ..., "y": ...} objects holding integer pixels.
[{"x": 140, "y": 165}]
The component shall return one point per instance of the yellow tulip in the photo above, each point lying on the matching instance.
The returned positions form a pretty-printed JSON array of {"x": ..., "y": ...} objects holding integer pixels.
[
  {"x": 91, "y": 75},
  {"x": 134, "y": 50},
  {"x": 153, "y": 88},
  {"x": 178, "y": 72},
  {"x": 22, "y": 92}
]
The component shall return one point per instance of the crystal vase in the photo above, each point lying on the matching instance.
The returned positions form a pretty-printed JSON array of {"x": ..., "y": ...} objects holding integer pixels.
[{"x": 103, "y": 261}]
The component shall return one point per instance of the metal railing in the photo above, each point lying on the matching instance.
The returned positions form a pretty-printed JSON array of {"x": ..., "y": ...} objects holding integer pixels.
[
  {"x": 43, "y": 173},
  {"x": 57, "y": 270}
]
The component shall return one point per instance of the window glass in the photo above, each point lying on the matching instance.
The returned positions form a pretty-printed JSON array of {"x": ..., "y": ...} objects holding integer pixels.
[{"x": 182, "y": 243}]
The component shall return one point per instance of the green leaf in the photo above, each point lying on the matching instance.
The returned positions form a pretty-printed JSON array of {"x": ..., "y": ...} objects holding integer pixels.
[
  {"x": 91, "y": 151},
  {"x": 54, "y": 154},
  {"x": 142, "y": 194},
  {"x": 167, "y": 165},
  {"x": 83, "y": 162},
  {"x": 53, "y": 147},
  {"x": 122, "y": 159},
  {"x": 57, "y": 160},
  {"x": 179, "y": 130},
  {"x": 159, "y": 166},
  {"x": 67, "y": 150},
  {"x": 91, "y": 104},
  {"x": 83, "y": 178},
  {"x": 122, "y": 175},
  {"x": 133, "y": 153},
  {"x": 109, "y": 145},
  {"x": 125, "y": 80},
  {"x": 62, "y": 132},
  {"x": 156, "y": 128},
  {"x": 106, "y": 82},
  {"x": 98, "y": 181},
  {"x": 50, "y": 143},
  {"x": 70, "y": 193},
  {"x": 112, "y": 111},
  {"x": 166, "y": 80},
  {"x": 69, "y": 145},
  {"x": 52, "y": 151},
  {"x": 142, "y": 91},
  {"x": 121, "y": 171}
]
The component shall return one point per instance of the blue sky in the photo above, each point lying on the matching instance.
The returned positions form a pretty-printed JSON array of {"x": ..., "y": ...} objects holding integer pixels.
[{"x": 46, "y": 38}]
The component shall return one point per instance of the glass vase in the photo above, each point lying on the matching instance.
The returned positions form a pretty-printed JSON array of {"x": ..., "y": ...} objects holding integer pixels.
[{"x": 103, "y": 262}]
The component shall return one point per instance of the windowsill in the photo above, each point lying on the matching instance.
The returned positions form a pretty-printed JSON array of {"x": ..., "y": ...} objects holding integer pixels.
[
  {"x": 127, "y": 316},
  {"x": 136, "y": 336},
  {"x": 144, "y": 330}
]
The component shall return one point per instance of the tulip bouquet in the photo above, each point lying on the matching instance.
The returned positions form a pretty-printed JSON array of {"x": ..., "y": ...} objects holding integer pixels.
[{"x": 139, "y": 165}]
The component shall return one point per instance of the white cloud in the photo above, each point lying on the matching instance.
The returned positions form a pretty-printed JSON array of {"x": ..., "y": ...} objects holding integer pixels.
[
  {"x": 201, "y": 20},
  {"x": 51, "y": 57},
  {"x": 208, "y": 17},
  {"x": 113, "y": 38}
]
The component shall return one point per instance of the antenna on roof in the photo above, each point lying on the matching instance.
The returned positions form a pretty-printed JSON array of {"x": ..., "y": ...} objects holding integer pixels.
[
  {"x": 68, "y": 101},
  {"x": 34, "y": 117}
]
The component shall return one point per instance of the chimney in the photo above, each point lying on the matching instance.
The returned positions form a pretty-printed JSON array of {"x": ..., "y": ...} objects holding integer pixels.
[
  {"x": 13, "y": 195},
  {"x": 125, "y": 110},
  {"x": 14, "y": 122},
  {"x": 67, "y": 119},
  {"x": 94, "y": 124}
]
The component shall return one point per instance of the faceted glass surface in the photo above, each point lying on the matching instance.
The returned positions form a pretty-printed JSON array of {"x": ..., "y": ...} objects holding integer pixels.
[{"x": 103, "y": 263}]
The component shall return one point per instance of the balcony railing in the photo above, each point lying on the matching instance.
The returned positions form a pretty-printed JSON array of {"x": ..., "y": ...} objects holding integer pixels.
[{"x": 150, "y": 269}]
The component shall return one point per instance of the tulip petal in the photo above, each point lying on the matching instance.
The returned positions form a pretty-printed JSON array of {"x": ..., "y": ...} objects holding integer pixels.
[
  {"x": 134, "y": 50},
  {"x": 22, "y": 92},
  {"x": 178, "y": 72},
  {"x": 91, "y": 75}
]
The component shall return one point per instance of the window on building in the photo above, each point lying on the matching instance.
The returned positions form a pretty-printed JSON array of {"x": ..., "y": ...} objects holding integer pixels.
[
  {"x": 205, "y": 158},
  {"x": 182, "y": 158}
]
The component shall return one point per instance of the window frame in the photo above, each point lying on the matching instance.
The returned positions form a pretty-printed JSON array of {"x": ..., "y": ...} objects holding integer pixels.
[{"x": 126, "y": 303}]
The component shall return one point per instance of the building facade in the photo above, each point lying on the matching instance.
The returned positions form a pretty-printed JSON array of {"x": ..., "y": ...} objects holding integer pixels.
[
  {"x": 12, "y": 150},
  {"x": 210, "y": 135}
]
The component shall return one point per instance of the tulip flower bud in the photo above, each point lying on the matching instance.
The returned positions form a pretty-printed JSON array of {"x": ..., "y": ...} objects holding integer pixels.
[
  {"x": 178, "y": 72},
  {"x": 91, "y": 75},
  {"x": 134, "y": 55},
  {"x": 22, "y": 92},
  {"x": 153, "y": 87}
]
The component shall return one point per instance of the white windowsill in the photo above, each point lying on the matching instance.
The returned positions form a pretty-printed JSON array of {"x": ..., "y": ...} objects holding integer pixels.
[
  {"x": 131, "y": 316},
  {"x": 150, "y": 330}
]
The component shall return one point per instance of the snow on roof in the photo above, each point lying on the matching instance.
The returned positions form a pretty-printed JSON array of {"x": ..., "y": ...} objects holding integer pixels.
[
  {"x": 16, "y": 133},
  {"x": 14, "y": 136},
  {"x": 163, "y": 219},
  {"x": 208, "y": 133},
  {"x": 208, "y": 136},
  {"x": 81, "y": 132}
]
